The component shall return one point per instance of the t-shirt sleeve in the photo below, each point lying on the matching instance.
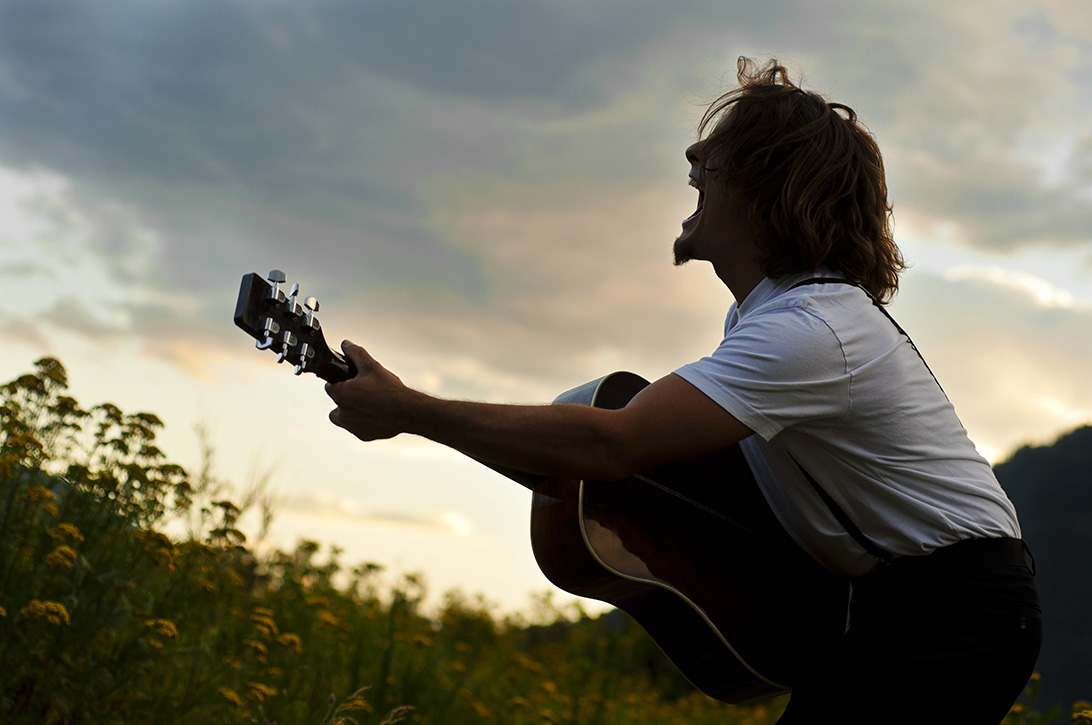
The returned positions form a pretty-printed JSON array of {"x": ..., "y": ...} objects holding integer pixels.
[{"x": 776, "y": 369}]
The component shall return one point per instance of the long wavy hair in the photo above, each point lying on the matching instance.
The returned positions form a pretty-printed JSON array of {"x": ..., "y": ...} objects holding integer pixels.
[{"x": 810, "y": 175}]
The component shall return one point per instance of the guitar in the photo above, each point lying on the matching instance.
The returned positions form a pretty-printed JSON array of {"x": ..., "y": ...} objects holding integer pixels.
[{"x": 689, "y": 549}]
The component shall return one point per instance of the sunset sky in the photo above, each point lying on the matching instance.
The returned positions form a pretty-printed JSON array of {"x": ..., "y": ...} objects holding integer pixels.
[{"x": 484, "y": 194}]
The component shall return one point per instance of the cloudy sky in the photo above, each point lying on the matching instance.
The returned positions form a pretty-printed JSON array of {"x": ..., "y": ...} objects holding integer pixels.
[{"x": 484, "y": 193}]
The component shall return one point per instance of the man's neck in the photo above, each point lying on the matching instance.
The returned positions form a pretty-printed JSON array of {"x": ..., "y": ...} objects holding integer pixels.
[{"x": 740, "y": 277}]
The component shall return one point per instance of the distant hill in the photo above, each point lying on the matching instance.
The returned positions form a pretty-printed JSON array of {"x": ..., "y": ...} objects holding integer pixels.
[{"x": 1051, "y": 487}]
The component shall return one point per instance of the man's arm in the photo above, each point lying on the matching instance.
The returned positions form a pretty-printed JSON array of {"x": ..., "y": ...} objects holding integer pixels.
[{"x": 669, "y": 420}]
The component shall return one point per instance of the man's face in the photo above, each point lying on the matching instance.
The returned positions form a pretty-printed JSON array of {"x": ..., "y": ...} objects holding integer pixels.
[{"x": 692, "y": 243}]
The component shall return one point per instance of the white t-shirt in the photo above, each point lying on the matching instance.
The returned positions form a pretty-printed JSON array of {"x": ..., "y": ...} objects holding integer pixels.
[{"x": 818, "y": 371}]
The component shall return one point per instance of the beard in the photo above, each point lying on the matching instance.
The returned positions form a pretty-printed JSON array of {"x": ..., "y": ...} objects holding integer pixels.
[{"x": 684, "y": 249}]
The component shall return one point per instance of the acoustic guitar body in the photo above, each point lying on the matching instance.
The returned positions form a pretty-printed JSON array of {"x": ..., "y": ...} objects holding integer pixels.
[{"x": 694, "y": 554}]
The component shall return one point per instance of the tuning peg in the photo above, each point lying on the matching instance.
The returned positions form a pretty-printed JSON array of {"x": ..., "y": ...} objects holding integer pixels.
[
  {"x": 312, "y": 306},
  {"x": 276, "y": 277},
  {"x": 305, "y": 353},
  {"x": 293, "y": 308},
  {"x": 271, "y": 328},
  {"x": 290, "y": 341}
]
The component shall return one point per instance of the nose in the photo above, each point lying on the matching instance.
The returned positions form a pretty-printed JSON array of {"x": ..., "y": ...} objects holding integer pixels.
[{"x": 693, "y": 152}]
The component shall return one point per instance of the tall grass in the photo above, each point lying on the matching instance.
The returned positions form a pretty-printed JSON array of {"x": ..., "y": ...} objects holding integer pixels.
[{"x": 105, "y": 619}]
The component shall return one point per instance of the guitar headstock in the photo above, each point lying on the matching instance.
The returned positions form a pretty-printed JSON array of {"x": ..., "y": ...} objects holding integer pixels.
[{"x": 279, "y": 323}]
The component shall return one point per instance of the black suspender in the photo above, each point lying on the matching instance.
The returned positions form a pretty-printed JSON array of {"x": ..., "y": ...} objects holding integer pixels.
[{"x": 843, "y": 519}]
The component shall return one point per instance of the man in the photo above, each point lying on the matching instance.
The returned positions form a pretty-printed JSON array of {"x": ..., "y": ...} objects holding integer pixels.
[{"x": 850, "y": 437}]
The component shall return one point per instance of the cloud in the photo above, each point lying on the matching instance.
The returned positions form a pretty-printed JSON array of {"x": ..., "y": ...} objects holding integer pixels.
[
  {"x": 1010, "y": 349},
  {"x": 987, "y": 131},
  {"x": 484, "y": 192},
  {"x": 310, "y": 504}
]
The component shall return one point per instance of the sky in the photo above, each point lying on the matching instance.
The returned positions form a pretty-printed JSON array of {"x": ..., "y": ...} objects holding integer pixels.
[{"x": 484, "y": 194}]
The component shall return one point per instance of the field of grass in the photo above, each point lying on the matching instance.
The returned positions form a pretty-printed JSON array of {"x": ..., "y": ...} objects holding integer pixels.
[{"x": 105, "y": 619}]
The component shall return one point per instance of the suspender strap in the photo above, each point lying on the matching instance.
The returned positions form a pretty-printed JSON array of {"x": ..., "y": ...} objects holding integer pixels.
[
  {"x": 847, "y": 523},
  {"x": 843, "y": 519},
  {"x": 879, "y": 306}
]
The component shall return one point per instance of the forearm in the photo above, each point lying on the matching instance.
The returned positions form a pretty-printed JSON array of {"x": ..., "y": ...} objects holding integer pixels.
[
  {"x": 563, "y": 441},
  {"x": 668, "y": 420}
]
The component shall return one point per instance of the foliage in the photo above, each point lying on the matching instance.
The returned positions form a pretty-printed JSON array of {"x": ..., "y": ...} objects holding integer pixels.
[{"x": 105, "y": 619}]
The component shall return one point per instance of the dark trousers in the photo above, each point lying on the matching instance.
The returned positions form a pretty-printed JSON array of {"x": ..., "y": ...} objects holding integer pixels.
[{"x": 951, "y": 637}]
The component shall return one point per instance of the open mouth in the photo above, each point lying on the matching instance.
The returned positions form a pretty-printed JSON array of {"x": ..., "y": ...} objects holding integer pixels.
[{"x": 701, "y": 198}]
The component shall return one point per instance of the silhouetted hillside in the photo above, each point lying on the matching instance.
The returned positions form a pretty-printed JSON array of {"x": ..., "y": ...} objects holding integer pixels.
[{"x": 1052, "y": 489}]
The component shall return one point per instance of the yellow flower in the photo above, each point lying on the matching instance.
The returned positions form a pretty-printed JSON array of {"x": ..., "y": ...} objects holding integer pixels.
[
  {"x": 63, "y": 531},
  {"x": 40, "y": 493},
  {"x": 357, "y": 703},
  {"x": 255, "y": 645},
  {"x": 159, "y": 547},
  {"x": 3, "y": 612},
  {"x": 53, "y": 612},
  {"x": 264, "y": 624},
  {"x": 232, "y": 696},
  {"x": 61, "y": 557},
  {"x": 51, "y": 509},
  {"x": 293, "y": 641},
  {"x": 163, "y": 627},
  {"x": 260, "y": 691},
  {"x": 326, "y": 618},
  {"x": 155, "y": 643}
]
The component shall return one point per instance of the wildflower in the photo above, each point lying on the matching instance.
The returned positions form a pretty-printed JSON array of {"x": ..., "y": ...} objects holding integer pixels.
[
  {"x": 53, "y": 612},
  {"x": 255, "y": 645},
  {"x": 51, "y": 509},
  {"x": 264, "y": 624},
  {"x": 292, "y": 641},
  {"x": 163, "y": 627},
  {"x": 3, "y": 612},
  {"x": 260, "y": 691},
  {"x": 40, "y": 493},
  {"x": 155, "y": 643},
  {"x": 232, "y": 696},
  {"x": 357, "y": 703},
  {"x": 61, "y": 557},
  {"x": 326, "y": 618},
  {"x": 66, "y": 531},
  {"x": 1082, "y": 713}
]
